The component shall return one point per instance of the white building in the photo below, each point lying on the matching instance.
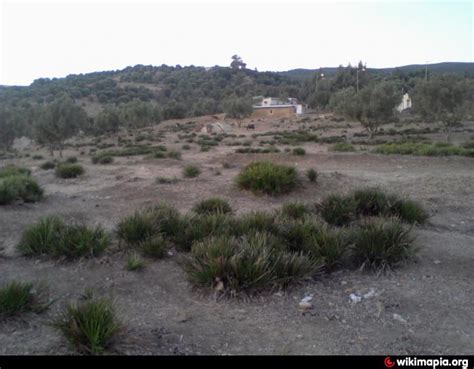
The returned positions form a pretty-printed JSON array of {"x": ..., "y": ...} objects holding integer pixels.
[{"x": 405, "y": 104}]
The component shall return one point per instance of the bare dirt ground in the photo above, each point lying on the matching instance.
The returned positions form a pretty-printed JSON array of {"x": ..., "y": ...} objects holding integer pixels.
[{"x": 424, "y": 308}]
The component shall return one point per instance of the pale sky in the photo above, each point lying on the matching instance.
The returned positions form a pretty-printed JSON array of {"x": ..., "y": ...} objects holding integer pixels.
[{"x": 57, "y": 38}]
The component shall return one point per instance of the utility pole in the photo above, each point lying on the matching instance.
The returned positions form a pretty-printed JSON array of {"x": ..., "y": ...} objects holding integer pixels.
[{"x": 426, "y": 70}]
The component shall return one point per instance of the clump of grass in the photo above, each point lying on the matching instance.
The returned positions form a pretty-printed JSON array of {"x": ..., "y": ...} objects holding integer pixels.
[
  {"x": 213, "y": 205},
  {"x": 382, "y": 243},
  {"x": 167, "y": 180},
  {"x": 19, "y": 187},
  {"x": 295, "y": 210},
  {"x": 37, "y": 157},
  {"x": 135, "y": 262},
  {"x": 102, "y": 159},
  {"x": 174, "y": 154},
  {"x": 312, "y": 175},
  {"x": 66, "y": 170},
  {"x": 191, "y": 171},
  {"x": 342, "y": 147},
  {"x": 17, "y": 298},
  {"x": 154, "y": 246},
  {"x": 268, "y": 178},
  {"x": 409, "y": 211},
  {"x": 299, "y": 151},
  {"x": 338, "y": 209},
  {"x": 53, "y": 237},
  {"x": 186, "y": 147},
  {"x": 48, "y": 165},
  {"x": 90, "y": 326},
  {"x": 248, "y": 264},
  {"x": 136, "y": 228}
]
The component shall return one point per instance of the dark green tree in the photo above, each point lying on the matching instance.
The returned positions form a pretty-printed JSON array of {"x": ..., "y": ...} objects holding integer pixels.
[
  {"x": 59, "y": 121},
  {"x": 238, "y": 108}
]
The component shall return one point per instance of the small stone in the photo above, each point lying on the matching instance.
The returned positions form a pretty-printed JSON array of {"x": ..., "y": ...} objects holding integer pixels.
[
  {"x": 355, "y": 298},
  {"x": 305, "y": 305},
  {"x": 437, "y": 262},
  {"x": 343, "y": 283},
  {"x": 399, "y": 318}
]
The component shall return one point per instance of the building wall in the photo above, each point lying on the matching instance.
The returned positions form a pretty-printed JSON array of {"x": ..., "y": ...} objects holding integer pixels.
[{"x": 270, "y": 111}]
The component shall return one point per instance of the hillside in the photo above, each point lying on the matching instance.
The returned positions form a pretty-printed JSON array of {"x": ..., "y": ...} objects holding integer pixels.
[{"x": 447, "y": 67}]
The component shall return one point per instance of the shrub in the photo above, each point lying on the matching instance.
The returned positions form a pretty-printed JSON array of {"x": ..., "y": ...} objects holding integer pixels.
[
  {"x": 191, "y": 171},
  {"x": 422, "y": 149},
  {"x": 71, "y": 160},
  {"x": 195, "y": 228},
  {"x": 102, "y": 159},
  {"x": 328, "y": 245},
  {"x": 312, "y": 175},
  {"x": 54, "y": 237},
  {"x": 338, "y": 209},
  {"x": 48, "y": 165},
  {"x": 37, "y": 157},
  {"x": 174, "y": 154},
  {"x": 17, "y": 298},
  {"x": 12, "y": 170},
  {"x": 381, "y": 243},
  {"x": 371, "y": 202},
  {"x": 15, "y": 187},
  {"x": 186, "y": 147},
  {"x": 135, "y": 262},
  {"x": 299, "y": 151},
  {"x": 409, "y": 211},
  {"x": 248, "y": 264},
  {"x": 342, "y": 147},
  {"x": 136, "y": 228},
  {"x": 266, "y": 177},
  {"x": 294, "y": 210},
  {"x": 90, "y": 326},
  {"x": 252, "y": 222},
  {"x": 213, "y": 205},
  {"x": 154, "y": 246},
  {"x": 66, "y": 170},
  {"x": 167, "y": 180}
]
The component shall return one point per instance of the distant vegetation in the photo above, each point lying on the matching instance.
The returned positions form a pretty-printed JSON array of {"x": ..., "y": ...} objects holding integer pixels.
[{"x": 52, "y": 110}]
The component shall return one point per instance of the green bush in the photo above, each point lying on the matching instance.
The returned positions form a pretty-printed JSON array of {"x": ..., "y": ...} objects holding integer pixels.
[
  {"x": 167, "y": 180},
  {"x": 174, "y": 154},
  {"x": 213, "y": 205},
  {"x": 71, "y": 160},
  {"x": 102, "y": 159},
  {"x": 155, "y": 246},
  {"x": 338, "y": 209},
  {"x": 136, "y": 228},
  {"x": 382, "y": 243},
  {"x": 295, "y": 210},
  {"x": 48, "y": 165},
  {"x": 342, "y": 147},
  {"x": 12, "y": 170},
  {"x": 90, "y": 326},
  {"x": 16, "y": 187},
  {"x": 422, "y": 149},
  {"x": 312, "y": 175},
  {"x": 248, "y": 264},
  {"x": 299, "y": 151},
  {"x": 66, "y": 170},
  {"x": 53, "y": 237},
  {"x": 266, "y": 177},
  {"x": 191, "y": 171},
  {"x": 17, "y": 298}
]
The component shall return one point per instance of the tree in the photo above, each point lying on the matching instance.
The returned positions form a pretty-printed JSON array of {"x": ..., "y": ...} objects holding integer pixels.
[
  {"x": 8, "y": 128},
  {"x": 59, "y": 121},
  {"x": 138, "y": 114},
  {"x": 237, "y": 63},
  {"x": 108, "y": 121},
  {"x": 441, "y": 99},
  {"x": 372, "y": 106},
  {"x": 238, "y": 108}
]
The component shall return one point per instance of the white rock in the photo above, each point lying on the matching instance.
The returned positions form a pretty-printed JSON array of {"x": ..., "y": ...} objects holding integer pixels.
[
  {"x": 369, "y": 294},
  {"x": 307, "y": 298},
  {"x": 399, "y": 318},
  {"x": 355, "y": 298},
  {"x": 437, "y": 262},
  {"x": 305, "y": 305}
]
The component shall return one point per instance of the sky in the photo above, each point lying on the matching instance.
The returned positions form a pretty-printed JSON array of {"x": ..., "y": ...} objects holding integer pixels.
[{"x": 55, "y": 38}]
